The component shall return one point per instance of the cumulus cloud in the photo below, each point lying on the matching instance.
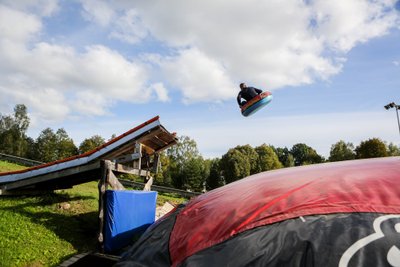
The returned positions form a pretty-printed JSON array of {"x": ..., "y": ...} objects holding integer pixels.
[
  {"x": 39, "y": 7},
  {"x": 344, "y": 24},
  {"x": 55, "y": 77},
  {"x": 48, "y": 104},
  {"x": 202, "y": 48},
  {"x": 270, "y": 43},
  {"x": 160, "y": 91},
  {"x": 24, "y": 25},
  {"x": 129, "y": 28},
  {"x": 99, "y": 12},
  {"x": 199, "y": 77}
]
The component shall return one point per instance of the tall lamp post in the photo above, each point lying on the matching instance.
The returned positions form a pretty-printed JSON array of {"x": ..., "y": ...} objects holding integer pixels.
[{"x": 396, "y": 107}]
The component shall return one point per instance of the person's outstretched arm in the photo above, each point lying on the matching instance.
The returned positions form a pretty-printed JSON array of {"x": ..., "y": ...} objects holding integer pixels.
[{"x": 259, "y": 91}]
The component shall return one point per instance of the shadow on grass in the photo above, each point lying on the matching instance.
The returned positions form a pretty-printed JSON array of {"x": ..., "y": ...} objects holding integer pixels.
[{"x": 80, "y": 230}]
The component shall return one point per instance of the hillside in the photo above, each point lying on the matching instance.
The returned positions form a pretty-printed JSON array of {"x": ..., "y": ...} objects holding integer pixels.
[{"x": 48, "y": 229}]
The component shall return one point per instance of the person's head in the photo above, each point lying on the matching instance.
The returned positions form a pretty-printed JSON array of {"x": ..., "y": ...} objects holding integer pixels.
[{"x": 242, "y": 85}]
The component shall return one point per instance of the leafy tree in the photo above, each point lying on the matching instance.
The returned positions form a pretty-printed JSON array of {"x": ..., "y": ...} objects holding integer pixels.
[
  {"x": 185, "y": 149},
  {"x": 112, "y": 137},
  {"x": 284, "y": 156},
  {"x": 53, "y": 146},
  {"x": 46, "y": 145},
  {"x": 13, "y": 132},
  {"x": 91, "y": 143},
  {"x": 65, "y": 146},
  {"x": 182, "y": 157},
  {"x": 235, "y": 165},
  {"x": 393, "y": 150},
  {"x": 214, "y": 179},
  {"x": 342, "y": 151},
  {"x": 21, "y": 118},
  {"x": 371, "y": 148},
  {"x": 193, "y": 174},
  {"x": 267, "y": 158},
  {"x": 252, "y": 156},
  {"x": 32, "y": 151},
  {"x": 304, "y": 155},
  {"x": 164, "y": 176}
]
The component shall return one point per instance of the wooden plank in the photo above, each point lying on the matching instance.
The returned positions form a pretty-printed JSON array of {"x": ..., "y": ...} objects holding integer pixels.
[
  {"x": 156, "y": 162},
  {"x": 150, "y": 134},
  {"x": 127, "y": 148},
  {"x": 128, "y": 158},
  {"x": 126, "y": 169},
  {"x": 50, "y": 176},
  {"x": 166, "y": 147},
  {"x": 158, "y": 188},
  {"x": 113, "y": 181}
]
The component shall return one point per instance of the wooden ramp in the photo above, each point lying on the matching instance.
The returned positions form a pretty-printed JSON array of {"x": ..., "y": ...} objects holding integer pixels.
[{"x": 135, "y": 151}]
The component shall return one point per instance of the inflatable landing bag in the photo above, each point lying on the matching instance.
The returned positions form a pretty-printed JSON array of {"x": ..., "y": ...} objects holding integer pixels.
[
  {"x": 338, "y": 214},
  {"x": 128, "y": 214}
]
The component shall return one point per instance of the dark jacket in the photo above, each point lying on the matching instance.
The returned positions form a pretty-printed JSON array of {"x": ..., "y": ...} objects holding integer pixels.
[{"x": 247, "y": 93}]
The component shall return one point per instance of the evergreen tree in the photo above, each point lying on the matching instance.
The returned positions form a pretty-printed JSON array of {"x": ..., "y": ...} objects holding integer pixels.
[{"x": 214, "y": 178}]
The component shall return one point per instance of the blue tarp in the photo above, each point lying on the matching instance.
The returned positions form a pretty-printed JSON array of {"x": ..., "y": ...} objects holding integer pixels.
[{"x": 128, "y": 214}]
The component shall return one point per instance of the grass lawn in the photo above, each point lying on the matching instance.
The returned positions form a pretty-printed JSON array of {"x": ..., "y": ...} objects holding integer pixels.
[
  {"x": 42, "y": 231},
  {"x": 6, "y": 166}
]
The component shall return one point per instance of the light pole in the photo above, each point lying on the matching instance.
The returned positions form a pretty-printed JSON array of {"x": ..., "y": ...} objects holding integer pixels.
[{"x": 396, "y": 107}]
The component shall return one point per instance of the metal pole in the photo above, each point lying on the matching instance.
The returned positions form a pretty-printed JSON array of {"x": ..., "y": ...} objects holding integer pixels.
[{"x": 397, "y": 113}]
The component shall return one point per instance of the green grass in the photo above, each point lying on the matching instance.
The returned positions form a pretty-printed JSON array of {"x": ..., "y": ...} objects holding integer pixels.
[
  {"x": 6, "y": 166},
  {"x": 37, "y": 231}
]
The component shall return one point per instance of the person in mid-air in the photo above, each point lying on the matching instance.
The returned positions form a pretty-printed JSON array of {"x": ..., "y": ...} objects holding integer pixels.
[{"x": 247, "y": 93}]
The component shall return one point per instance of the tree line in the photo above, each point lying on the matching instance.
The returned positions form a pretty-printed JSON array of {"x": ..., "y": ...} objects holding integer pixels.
[
  {"x": 49, "y": 146},
  {"x": 182, "y": 166}
]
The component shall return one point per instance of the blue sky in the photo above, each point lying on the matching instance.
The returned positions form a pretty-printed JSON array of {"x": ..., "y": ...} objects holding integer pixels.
[{"x": 103, "y": 67}]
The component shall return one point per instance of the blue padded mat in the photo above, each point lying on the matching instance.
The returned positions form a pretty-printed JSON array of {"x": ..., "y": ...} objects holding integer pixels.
[{"x": 128, "y": 214}]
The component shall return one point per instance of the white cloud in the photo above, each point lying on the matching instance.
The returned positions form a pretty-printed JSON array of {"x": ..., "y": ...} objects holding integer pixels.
[
  {"x": 210, "y": 46},
  {"x": 48, "y": 104},
  {"x": 129, "y": 28},
  {"x": 39, "y": 7},
  {"x": 107, "y": 72},
  {"x": 17, "y": 26},
  {"x": 269, "y": 44},
  {"x": 161, "y": 92},
  {"x": 343, "y": 24},
  {"x": 199, "y": 77},
  {"x": 58, "y": 78},
  {"x": 99, "y": 12},
  {"x": 91, "y": 103}
]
